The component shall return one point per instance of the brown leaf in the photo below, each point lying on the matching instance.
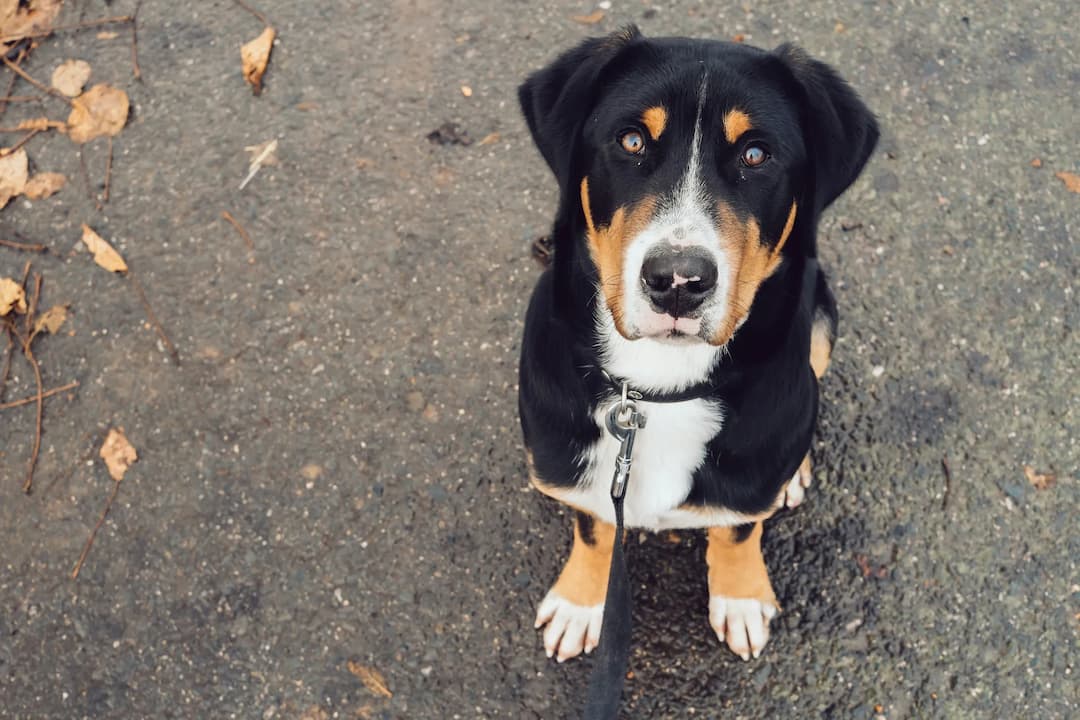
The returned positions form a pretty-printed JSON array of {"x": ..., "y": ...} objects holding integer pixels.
[
  {"x": 101, "y": 110},
  {"x": 117, "y": 453},
  {"x": 1071, "y": 180},
  {"x": 590, "y": 19},
  {"x": 51, "y": 319},
  {"x": 373, "y": 679},
  {"x": 43, "y": 185},
  {"x": 13, "y": 174},
  {"x": 12, "y": 295},
  {"x": 254, "y": 56},
  {"x": 1039, "y": 481},
  {"x": 17, "y": 20},
  {"x": 104, "y": 254},
  {"x": 70, "y": 76}
]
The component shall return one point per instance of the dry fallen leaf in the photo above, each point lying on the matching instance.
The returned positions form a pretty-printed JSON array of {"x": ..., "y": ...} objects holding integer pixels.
[
  {"x": 1039, "y": 481},
  {"x": 1071, "y": 180},
  {"x": 17, "y": 20},
  {"x": 51, "y": 319},
  {"x": 43, "y": 185},
  {"x": 70, "y": 76},
  {"x": 101, "y": 110},
  {"x": 117, "y": 453},
  {"x": 590, "y": 19},
  {"x": 104, "y": 254},
  {"x": 13, "y": 174},
  {"x": 12, "y": 295},
  {"x": 372, "y": 678},
  {"x": 254, "y": 56}
]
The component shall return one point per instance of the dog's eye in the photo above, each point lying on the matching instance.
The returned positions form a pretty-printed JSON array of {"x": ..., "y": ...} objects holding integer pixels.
[
  {"x": 632, "y": 142},
  {"x": 754, "y": 155}
]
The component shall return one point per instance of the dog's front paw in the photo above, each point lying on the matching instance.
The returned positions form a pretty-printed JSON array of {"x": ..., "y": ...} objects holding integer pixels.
[
  {"x": 742, "y": 622},
  {"x": 795, "y": 490},
  {"x": 570, "y": 628}
]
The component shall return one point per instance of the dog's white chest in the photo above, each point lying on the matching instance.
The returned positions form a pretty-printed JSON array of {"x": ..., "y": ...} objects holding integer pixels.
[{"x": 666, "y": 453}]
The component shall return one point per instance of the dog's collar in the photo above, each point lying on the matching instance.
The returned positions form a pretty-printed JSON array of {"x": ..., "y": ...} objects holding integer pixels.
[{"x": 697, "y": 391}]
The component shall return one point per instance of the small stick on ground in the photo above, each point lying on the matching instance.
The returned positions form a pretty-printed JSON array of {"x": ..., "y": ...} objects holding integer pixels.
[
  {"x": 240, "y": 229},
  {"x": 94, "y": 532},
  {"x": 20, "y": 98},
  {"x": 108, "y": 173},
  {"x": 25, "y": 139},
  {"x": 948, "y": 482},
  {"x": 47, "y": 394},
  {"x": 116, "y": 20},
  {"x": 86, "y": 179},
  {"x": 7, "y": 365},
  {"x": 28, "y": 247},
  {"x": 11, "y": 85},
  {"x": 45, "y": 88},
  {"x": 28, "y": 353},
  {"x": 135, "y": 42},
  {"x": 32, "y": 307},
  {"x": 153, "y": 319},
  {"x": 253, "y": 11}
]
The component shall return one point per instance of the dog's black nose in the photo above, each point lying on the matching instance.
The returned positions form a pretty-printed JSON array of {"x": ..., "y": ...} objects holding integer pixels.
[{"x": 677, "y": 282}]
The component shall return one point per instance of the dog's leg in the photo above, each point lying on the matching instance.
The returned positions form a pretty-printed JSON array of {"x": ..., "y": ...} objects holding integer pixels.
[
  {"x": 741, "y": 599},
  {"x": 820, "y": 352},
  {"x": 573, "y": 609}
]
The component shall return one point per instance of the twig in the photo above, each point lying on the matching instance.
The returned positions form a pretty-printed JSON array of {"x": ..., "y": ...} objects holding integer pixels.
[
  {"x": 47, "y": 394},
  {"x": 135, "y": 42},
  {"x": 108, "y": 173},
  {"x": 258, "y": 161},
  {"x": 253, "y": 11},
  {"x": 7, "y": 365},
  {"x": 86, "y": 179},
  {"x": 240, "y": 229},
  {"x": 20, "y": 98},
  {"x": 32, "y": 308},
  {"x": 28, "y": 247},
  {"x": 948, "y": 482},
  {"x": 25, "y": 139},
  {"x": 22, "y": 73},
  {"x": 25, "y": 274},
  {"x": 94, "y": 532},
  {"x": 117, "y": 20},
  {"x": 11, "y": 84},
  {"x": 153, "y": 318}
]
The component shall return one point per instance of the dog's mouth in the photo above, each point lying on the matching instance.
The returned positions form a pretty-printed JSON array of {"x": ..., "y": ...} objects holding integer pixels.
[{"x": 664, "y": 326}]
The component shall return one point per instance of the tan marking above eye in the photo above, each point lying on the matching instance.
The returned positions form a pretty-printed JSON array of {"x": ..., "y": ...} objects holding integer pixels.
[
  {"x": 655, "y": 120},
  {"x": 736, "y": 122}
]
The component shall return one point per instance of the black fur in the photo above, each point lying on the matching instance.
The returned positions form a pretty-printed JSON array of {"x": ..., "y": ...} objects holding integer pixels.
[{"x": 824, "y": 135}]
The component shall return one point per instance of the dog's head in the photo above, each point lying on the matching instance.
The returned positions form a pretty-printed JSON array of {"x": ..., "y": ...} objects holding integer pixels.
[{"x": 692, "y": 169}]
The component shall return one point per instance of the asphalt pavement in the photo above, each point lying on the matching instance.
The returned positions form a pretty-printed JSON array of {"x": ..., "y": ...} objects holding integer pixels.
[{"x": 330, "y": 516}]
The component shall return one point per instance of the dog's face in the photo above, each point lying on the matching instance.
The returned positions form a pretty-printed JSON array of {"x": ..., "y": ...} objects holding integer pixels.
[{"x": 690, "y": 165}]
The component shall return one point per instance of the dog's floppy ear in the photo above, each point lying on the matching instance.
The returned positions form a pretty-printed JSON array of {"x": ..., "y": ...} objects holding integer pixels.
[
  {"x": 555, "y": 100},
  {"x": 840, "y": 131}
]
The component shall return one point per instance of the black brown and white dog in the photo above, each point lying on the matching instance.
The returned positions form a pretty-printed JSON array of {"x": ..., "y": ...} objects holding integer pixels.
[{"x": 692, "y": 176}]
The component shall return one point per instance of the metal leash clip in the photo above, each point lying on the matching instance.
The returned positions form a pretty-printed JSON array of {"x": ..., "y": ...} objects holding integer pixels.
[{"x": 623, "y": 422}]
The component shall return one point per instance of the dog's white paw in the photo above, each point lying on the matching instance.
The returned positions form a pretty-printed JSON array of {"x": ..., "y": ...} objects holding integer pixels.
[
  {"x": 795, "y": 492},
  {"x": 743, "y": 623},
  {"x": 571, "y": 628}
]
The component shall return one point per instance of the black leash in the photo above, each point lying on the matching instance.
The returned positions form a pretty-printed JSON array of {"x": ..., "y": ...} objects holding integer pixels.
[{"x": 613, "y": 654}]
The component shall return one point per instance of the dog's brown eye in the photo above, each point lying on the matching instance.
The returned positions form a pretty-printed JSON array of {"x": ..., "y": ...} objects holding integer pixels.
[
  {"x": 632, "y": 142},
  {"x": 754, "y": 155}
]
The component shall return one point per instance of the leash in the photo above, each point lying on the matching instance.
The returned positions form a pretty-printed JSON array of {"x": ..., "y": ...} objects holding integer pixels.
[{"x": 609, "y": 671}]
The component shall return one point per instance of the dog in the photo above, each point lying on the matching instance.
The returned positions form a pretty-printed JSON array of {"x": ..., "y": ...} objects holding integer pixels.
[{"x": 692, "y": 175}]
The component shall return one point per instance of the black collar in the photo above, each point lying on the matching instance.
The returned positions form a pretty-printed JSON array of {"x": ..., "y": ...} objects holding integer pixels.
[{"x": 696, "y": 391}]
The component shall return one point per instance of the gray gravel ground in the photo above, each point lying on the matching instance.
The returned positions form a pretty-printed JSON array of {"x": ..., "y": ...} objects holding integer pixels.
[{"x": 334, "y": 473}]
